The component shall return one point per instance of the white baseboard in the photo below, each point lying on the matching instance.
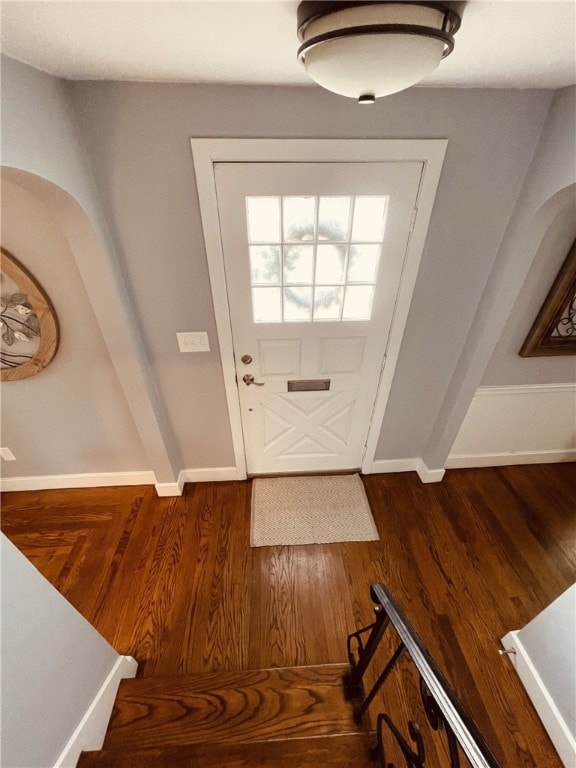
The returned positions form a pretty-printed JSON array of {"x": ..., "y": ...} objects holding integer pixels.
[
  {"x": 98, "y": 479},
  {"x": 505, "y": 459},
  {"x": 170, "y": 489},
  {"x": 428, "y": 475},
  {"x": 89, "y": 480},
  {"x": 210, "y": 475},
  {"x": 203, "y": 475},
  {"x": 383, "y": 466},
  {"x": 547, "y": 710},
  {"x": 89, "y": 735}
]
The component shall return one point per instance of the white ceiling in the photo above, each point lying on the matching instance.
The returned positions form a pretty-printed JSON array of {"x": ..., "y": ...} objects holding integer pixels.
[{"x": 500, "y": 44}]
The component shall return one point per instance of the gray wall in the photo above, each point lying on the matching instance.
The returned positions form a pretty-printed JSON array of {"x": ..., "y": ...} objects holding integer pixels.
[
  {"x": 554, "y": 169},
  {"x": 42, "y": 150},
  {"x": 543, "y": 207},
  {"x": 39, "y": 134},
  {"x": 506, "y": 366},
  {"x": 72, "y": 417},
  {"x": 53, "y": 664},
  {"x": 137, "y": 136}
]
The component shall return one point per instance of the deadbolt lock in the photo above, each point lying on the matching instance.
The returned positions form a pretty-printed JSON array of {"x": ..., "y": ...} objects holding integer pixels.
[{"x": 246, "y": 359}]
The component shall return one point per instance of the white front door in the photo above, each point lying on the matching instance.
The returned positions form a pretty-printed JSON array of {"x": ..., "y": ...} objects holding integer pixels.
[{"x": 313, "y": 255}]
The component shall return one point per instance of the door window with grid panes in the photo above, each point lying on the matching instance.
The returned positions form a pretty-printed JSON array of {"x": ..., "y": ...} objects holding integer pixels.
[{"x": 314, "y": 259}]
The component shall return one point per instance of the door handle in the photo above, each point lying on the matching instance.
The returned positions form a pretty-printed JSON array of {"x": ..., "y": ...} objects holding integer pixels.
[{"x": 249, "y": 379}]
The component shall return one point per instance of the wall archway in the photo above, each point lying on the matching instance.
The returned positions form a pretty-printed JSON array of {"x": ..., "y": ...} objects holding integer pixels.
[{"x": 105, "y": 289}]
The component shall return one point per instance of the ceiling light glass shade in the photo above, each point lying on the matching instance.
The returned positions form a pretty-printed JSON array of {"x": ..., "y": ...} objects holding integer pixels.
[
  {"x": 357, "y": 66},
  {"x": 373, "y": 49}
]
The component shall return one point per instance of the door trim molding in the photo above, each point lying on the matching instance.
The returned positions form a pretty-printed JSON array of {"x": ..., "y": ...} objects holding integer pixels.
[{"x": 207, "y": 152}]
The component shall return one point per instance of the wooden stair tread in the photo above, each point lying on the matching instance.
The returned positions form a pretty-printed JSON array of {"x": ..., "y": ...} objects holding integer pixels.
[
  {"x": 351, "y": 751},
  {"x": 230, "y": 707},
  {"x": 207, "y": 681}
]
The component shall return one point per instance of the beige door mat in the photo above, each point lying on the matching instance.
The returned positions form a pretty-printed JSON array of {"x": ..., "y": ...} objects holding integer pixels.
[{"x": 310, "y": 510}]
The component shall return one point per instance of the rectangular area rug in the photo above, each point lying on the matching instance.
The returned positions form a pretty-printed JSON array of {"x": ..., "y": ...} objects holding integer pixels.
[{"x": 310, "y": 510}]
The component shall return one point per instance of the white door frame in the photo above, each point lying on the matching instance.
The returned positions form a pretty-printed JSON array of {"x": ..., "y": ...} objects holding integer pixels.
[{"x": 207, "y": 152}]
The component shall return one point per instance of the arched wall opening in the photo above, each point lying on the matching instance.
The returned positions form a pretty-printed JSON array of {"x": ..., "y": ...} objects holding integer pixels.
[{"x": 130, "y": 406}]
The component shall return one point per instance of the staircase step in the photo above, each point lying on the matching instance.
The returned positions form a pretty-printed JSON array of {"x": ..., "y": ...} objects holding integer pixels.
[
  {"x": 335, "y": 751},
  {"x": 231, "y": 707}
]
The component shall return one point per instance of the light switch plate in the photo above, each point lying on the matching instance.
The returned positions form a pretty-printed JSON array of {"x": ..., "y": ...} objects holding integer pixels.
[
  {"x": 7, "y": 454},
  {"x": 193, "y": 341}
]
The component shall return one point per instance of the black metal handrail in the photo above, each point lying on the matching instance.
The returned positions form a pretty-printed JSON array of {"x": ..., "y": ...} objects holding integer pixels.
[{"x": 443, "y": 708}]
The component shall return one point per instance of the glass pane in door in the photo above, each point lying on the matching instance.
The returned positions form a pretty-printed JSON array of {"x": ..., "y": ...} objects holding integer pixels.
[{"x": 314, "y": 259}]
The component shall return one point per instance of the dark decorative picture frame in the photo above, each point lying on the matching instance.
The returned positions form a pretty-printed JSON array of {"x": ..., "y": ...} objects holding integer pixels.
[
  {"x": 29, "y": 331},
  {"x": 554, "y": 330}
]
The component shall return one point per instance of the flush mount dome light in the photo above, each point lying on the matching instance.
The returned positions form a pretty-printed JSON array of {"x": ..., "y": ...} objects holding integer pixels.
[{"x": 369, "y": 49}]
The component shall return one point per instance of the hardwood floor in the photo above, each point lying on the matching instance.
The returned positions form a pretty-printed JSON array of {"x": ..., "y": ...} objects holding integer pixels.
[{"x": 175, "y": 583}]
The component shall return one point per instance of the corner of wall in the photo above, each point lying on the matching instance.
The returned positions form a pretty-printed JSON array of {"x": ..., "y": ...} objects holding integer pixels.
[{"x": 90, "y": 732}]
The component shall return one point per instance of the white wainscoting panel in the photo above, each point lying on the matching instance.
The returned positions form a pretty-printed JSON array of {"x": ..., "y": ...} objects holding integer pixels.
[{"x": 517, "y": 425}]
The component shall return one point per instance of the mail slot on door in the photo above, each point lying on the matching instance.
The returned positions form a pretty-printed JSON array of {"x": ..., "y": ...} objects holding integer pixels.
[{"x": 308, "y": 385}]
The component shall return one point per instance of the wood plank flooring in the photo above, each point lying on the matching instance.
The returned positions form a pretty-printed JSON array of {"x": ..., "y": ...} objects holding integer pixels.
[{"x": 174, "y": 582}]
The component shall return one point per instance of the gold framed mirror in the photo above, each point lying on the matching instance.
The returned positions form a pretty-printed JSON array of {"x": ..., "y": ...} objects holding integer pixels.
[
  {"x": 554, "y": 330},
  {"x": 29, "y": 331}
]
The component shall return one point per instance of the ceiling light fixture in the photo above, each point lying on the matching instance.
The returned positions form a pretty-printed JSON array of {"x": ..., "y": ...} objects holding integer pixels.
[{"x": 364, "y": 50}]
